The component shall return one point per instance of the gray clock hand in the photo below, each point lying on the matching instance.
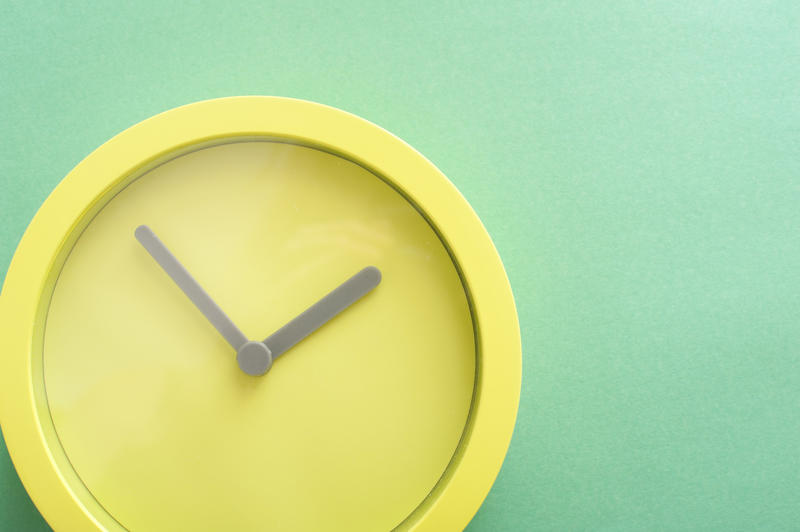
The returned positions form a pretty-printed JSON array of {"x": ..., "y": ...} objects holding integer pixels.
[
  {"x": 190, "y": 287},
  {"x": 255, "y": 358},
  {"x": 323, "y": 310}
]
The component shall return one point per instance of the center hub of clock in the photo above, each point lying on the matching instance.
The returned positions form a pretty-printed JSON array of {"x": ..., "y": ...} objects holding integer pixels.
[{"x": 254, "y": 358}]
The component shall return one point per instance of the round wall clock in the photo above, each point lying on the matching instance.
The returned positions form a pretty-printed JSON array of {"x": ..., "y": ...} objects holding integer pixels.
[{"x": 257, "y": 313}]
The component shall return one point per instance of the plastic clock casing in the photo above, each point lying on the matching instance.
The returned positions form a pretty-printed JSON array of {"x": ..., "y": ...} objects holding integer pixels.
[{"x": 53, "y": 230}]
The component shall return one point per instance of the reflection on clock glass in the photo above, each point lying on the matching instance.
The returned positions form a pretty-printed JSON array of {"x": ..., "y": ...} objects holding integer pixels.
[{"x": 350, "y": 429}]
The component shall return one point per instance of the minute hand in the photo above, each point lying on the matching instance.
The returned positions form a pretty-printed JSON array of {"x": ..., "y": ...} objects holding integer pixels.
[
  {"x": 181, "y": 276},
  {"x": 323, "y": 310}
]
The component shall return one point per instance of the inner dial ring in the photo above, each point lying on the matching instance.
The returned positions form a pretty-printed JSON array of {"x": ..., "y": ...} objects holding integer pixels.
[{"x": 152, "y": 414}]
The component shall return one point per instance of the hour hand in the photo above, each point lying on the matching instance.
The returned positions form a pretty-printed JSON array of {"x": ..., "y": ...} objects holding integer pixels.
[
  {"x": 323, "y": 310},
  {"x": 190, "y": 287}
]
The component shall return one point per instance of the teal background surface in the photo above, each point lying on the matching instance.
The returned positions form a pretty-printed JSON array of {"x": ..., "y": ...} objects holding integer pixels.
[{"x": 636, "y": 163}]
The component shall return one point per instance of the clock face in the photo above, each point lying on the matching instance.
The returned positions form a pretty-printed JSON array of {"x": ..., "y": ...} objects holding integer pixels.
[{"x": 350, "y": 429}]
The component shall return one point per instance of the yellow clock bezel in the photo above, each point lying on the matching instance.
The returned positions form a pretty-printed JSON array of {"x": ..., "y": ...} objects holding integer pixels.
[{"x": 30, "y": 278}]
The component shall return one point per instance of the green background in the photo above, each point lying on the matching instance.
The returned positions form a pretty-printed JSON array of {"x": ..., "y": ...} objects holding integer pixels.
[{"x": 636, "y": 163}]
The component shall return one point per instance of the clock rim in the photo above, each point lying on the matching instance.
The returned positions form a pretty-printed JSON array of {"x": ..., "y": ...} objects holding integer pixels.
[{"x": 487, "y": 434}]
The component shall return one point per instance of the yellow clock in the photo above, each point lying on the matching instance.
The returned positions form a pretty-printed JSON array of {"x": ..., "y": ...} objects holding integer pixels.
[{"x": 257, "y": 313}]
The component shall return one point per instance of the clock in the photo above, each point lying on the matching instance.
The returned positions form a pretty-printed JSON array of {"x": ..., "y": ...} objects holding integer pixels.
[{"x": 257, "y": 313}]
